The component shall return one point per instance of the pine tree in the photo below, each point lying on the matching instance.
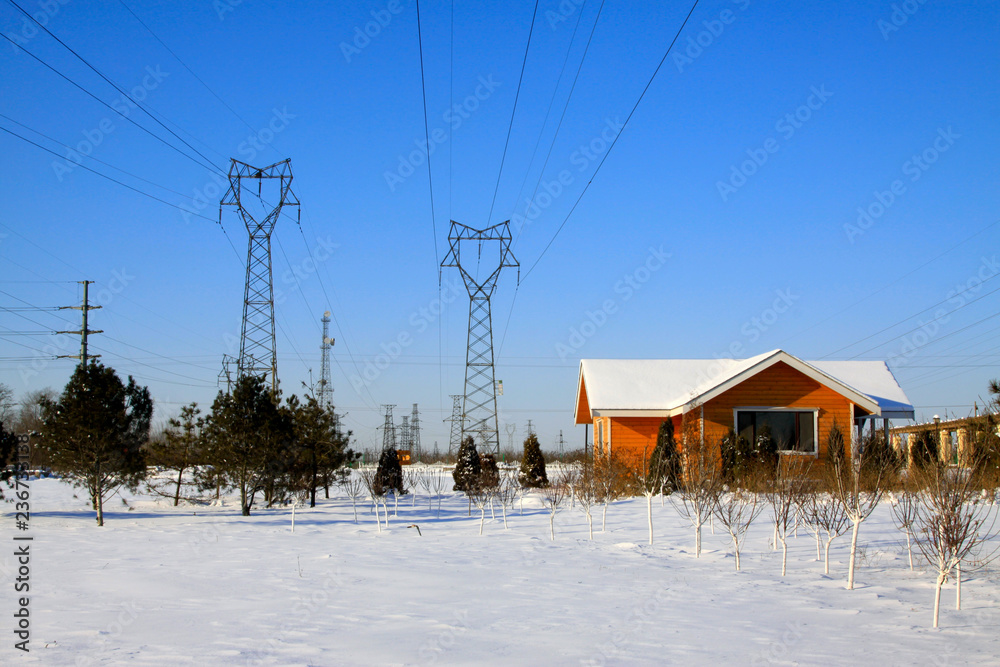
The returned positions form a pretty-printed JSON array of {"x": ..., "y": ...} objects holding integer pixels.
[
  {"x": 532, "y": 474},
  {"x": 179, "y": 448},
  {"x": 248, "y": 439},
  {"x": 489, "y": 475},
  {"x": 664, "y": 462},
  {"x": 468, "y": 467},
  {"x": 389, "y": 474},
  {"x": 96, "y": 430},
  {"x": 924, "y": 449}
]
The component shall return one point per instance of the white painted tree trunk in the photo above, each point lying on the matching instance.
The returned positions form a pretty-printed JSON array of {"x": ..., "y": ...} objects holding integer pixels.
[
  {"x": 909, "y": 548},
  {"x": 649, "y": 515},
  {"x": 604, "y": 519},
  {"x": 552, "y": 526},
  {"x": 293, "y": 516},
  {"x": 784, "y": 555},
  {"x": 482, "y": 518},
  {"x": 937, "y": 598},
  {"x": 590, "y": 523},
  {"x": 958, "y": 586},
  {"x": 826, "y": 559},
  {"x": 697, "y": 533},
  {"x": 736, "y": 549},
  {"x": 854, "y": 550}
]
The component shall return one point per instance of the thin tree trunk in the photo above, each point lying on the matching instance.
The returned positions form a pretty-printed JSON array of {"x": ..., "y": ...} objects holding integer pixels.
[
  {"x": 649, "y": 515},
  {"x": 604, "y": 519},
  {"x": 99, "y": 497},
  {"x": 503, "y": 510},
  {"x": 552, "y": 526},
  {"x": 784, "y": 555},
  {"x": 482, "y": 518},
  {"x": 854, "y": 550},
  {"x": 177, "y": 490},
  {"x": 958, "y": 586},
  {"x": 826, "y": 568},
  {"x": 354, "y": 501},
  {"x": 937, "y": 598},
  {"x": 774, "y": 538},
  {"x": 697, "y": 533},
  {"x": 909, "y": 548},
  {"x": 590, "y": 524},
  {"x": 736, "y": 548}
]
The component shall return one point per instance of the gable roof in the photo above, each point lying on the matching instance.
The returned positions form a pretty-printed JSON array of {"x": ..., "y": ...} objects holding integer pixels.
[{"x": 666, "y": 387}]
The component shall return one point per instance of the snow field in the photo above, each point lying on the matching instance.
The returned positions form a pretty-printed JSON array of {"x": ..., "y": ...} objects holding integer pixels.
[{"x": 201, "y": 585}]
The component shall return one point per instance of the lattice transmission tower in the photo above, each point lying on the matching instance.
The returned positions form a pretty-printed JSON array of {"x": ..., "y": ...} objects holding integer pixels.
[
  {"x": 325, "y": 390},
  {"x": 388, "y": 429},
  {"x": 258, "y": 354},
  {"x": 479, "y": 410},
  {"x": 455, "y": 441},
  {"x": 415, "y": 433}
]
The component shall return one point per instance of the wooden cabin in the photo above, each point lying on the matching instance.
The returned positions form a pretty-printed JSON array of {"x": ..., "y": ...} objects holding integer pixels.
[{"x": 626, "y": 400}]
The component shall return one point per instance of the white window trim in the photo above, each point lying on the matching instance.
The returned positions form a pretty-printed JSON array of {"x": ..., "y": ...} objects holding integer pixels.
[{"x": 785, "y": 452}]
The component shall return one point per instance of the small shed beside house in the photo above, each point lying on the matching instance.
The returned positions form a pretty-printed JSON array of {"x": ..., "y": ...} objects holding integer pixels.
[{"x": 626, "y": 400}]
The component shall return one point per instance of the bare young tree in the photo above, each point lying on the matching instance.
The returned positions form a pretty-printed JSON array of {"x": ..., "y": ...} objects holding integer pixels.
[
  {"x": 439, "y": 481},
  {"x": 586, "y": 491},
  {"x": 354, "y": 487},
  {"x": 858, "y": 485},
  {"x": 553, "y": 496},
  {"x": 784, "y": 494},
  {"x": 376, "y": 491},
  {"x": 954, "y": 522},
  {"x": 508, "y": 493},
  {"x": 610, "y": 475},
  {"x": 699, "y": 481},
  {"x": 828, "y": 515},
  {"x": 904, "y": 502},
  {"x": 736, "y": 507}
]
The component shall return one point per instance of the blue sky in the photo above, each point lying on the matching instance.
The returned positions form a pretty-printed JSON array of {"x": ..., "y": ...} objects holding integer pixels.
[{"x": 817, "y": 177}]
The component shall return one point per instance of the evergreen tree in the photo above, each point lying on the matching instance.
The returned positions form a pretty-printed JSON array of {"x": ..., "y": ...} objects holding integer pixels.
[
  {"x": 179, "y": 448},
  {"x": 321, "y": 449},
  {"x": 468, "y": 467},
  {"x": 878, "y": 455},
  {"x": 389, "y": 475},
  {"x": 248, "y": 440},
  {"x": 96, "y": 431},
  {"x": 835, "y": 443},
  {"x": 924, "y": 449},
  {"x": 532, "y": 474},
  {"x": 737, "y": 455},
  {"x": 489, "y": 476},
  {"x": 664, "y": 462},
  {"x": 765, "y": 452}
]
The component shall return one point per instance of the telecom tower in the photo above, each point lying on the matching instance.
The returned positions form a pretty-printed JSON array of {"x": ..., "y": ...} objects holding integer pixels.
[
  {"x": 455, "y": 441},
  {"x": 388, "y": 429},
  {"x": 480, "y": 400},
  {"x": 258, "y": 355},
  {"x": 415, "y": 433},
  {"x": 325, "y": 393}
]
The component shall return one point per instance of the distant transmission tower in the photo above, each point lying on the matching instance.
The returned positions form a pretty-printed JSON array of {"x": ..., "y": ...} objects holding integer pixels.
[
  {"x": 511, "y": 430},
  {"x": 480, "y": 399},
  {"x": 562, "y": 444},
  {"x": 388, "y": 429},
  {"x": 404, "y": 433},
  {"x": 258, "y": 354},
  {"x": 455, "y": 441},
  {"x": 325, "y": 393},
  {"x": 415, "y": 433}
]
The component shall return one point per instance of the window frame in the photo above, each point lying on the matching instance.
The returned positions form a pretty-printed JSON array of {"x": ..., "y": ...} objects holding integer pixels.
[{"x": 784, "y": 452}]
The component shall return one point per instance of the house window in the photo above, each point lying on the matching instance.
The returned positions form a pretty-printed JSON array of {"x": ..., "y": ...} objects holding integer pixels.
[{"x": 793, "y": 430}]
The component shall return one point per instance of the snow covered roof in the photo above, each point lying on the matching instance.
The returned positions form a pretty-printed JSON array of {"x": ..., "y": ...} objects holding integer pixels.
[{"x": 664, "y": 387}]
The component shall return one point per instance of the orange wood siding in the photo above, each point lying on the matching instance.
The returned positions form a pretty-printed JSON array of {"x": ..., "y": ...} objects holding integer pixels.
[
  {"x": 633, "y": 438},
  {"x": 780, "y": 386}
]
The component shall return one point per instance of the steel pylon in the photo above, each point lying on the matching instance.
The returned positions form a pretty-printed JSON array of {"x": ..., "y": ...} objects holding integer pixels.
[
  {"x": 325, "y": 391},
  {"x": 480, "y": 399},
  {"x": 258, "y": 354}
]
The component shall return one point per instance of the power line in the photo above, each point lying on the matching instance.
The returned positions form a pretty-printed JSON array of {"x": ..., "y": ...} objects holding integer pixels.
[
  {"x": 111, "y": 83},
  {"x": 427, "y": 139},
  {"x": 513, "y": 111}
]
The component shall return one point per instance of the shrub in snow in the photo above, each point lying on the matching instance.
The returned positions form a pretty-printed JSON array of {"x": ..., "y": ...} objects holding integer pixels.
[
  {"x": 468, "y": 466},
  {"x": 664, "y": 462},
  {"x": 532, "y": 474}
]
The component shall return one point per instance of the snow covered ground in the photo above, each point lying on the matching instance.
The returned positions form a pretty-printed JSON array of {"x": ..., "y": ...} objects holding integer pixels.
[{"x": 202, "y": 585}]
